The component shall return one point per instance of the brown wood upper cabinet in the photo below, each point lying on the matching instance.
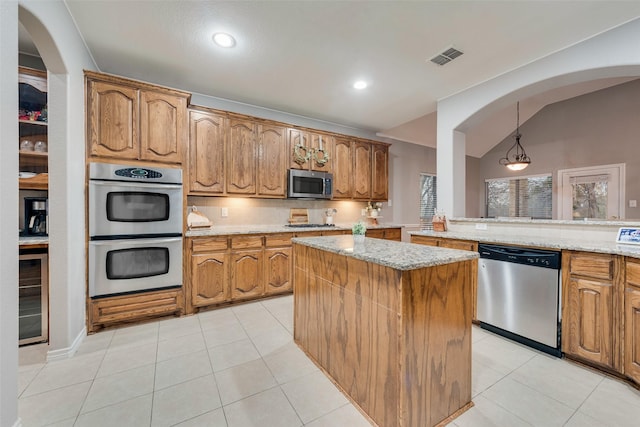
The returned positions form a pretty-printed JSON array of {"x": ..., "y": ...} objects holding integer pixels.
[
  {"x": 241, "y": 157},
  {"x": 342, "y": 169},
  {"x": 380, "y": 172},
  {"x": 256, "y": 162},
  {"x": 362, "y": 170},
  {"x": 135, "y": 121},
  {"x": 207, "y": 134},
  {"x": 310, "y": 150},
  {"x": 272, "y": 172}
]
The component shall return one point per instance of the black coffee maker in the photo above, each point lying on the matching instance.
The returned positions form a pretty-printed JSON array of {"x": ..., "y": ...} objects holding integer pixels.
[{"x": 35, "y": 216}]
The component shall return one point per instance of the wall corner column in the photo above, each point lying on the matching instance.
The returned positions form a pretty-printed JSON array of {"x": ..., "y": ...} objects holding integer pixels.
[{"x": 451, "y": 169}]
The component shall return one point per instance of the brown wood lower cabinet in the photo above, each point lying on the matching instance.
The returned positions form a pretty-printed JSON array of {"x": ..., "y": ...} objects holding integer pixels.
[
  {"x": 246, "y": 274},
  {"x": 592, "y": 299},
  {"x": 385, "y": 233},
  {"x": 397, "y": 342},
  {"x": 223, "y": 269},
  {"x": 632, "y": 321},
  {"x": 134, "y": 308},
  {"x": 464, "y": 245}
]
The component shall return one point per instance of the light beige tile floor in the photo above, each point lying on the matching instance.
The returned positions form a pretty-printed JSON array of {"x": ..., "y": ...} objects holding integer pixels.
[{"x": 237, "y": 367}]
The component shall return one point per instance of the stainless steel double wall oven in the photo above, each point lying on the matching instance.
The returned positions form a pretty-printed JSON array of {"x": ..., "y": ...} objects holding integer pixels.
[{"x": 135, "y": 229}]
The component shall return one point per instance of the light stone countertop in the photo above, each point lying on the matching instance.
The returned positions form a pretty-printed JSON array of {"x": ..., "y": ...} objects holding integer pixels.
[
  {"x": 397, "y": 255},
  {"x": 528, "y": 221},
  {"x": 268, "y": 229},
  {"x": 542, "y": 240}
]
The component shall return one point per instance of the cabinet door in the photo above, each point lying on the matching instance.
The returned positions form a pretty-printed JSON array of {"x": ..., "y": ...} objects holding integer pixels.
[
  {"x": 342, "y": 169},
  {"x": 162, "y": 126},
  {"x": 209, "y": 278},
  {"x": 590, "y": 321},
  {"x": 393, "y": 234},
  {"x": 632, "y": 333},
  {"x": 272, "y": 161},
  {"x": 362, "y": 170},
  {"x": 241, "y": 155},
  {"x": 246, "y": 274},
  {"x": 322, "y": 151},
  {"x": 299, "y": 156},
  {"x": 206, "y": 152},
  {"x": 112, "y": 120},
  {"x": 278, "y": 270},
  {"x": 380, "y": 173}
]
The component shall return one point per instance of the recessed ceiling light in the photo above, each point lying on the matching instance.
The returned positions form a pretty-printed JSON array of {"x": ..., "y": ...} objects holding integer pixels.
[
  {"x": 360, "y": 84},
  {"x": 224, "y": 40}
]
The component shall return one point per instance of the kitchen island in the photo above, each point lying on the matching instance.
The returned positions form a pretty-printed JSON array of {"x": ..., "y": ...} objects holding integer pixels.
[{"x": 390, "y": 323}]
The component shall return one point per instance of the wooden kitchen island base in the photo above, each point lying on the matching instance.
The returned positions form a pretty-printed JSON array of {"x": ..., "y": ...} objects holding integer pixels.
[{"x": 390, "y": 323}]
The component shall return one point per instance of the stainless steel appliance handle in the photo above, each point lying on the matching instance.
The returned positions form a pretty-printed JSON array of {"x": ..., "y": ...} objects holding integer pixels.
[
  {"x": 134, "y": 184},
  {"x": 155, "y": 240}
]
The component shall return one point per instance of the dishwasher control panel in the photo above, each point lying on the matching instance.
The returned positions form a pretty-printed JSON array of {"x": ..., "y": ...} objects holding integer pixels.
[{"x": 518, "y": 255}]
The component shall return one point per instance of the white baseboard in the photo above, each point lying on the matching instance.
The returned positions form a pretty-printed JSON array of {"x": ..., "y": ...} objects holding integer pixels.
[{"x": 65, "y": 353}]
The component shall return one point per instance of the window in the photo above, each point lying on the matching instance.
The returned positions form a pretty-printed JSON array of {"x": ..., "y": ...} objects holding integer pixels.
[
  {"x": 595, "y": 192},
  {"x": 519, "y": 197},
  {"x": 428, "y": 200}
]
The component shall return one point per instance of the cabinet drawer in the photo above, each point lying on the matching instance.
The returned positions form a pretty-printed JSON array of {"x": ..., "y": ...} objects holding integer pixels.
[
  {"x": 209, "y": 244},
  {"x": 246, "y": 242},
  {"x": 128, "y": 308},
  {"x": 424, "y": 240},
  {"x": 633, "y": 273},
  {"x": 594, "y": 266},
  {"x": 462, "y": 245},
  {"x": 277, "y": 240}
]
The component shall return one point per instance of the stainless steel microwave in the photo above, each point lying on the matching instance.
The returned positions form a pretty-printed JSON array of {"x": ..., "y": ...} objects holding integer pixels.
[{"x": 309, "y": 185}]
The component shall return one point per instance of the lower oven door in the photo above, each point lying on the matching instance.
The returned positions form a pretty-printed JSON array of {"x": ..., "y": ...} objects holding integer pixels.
[{"x": 134, "y": 265}]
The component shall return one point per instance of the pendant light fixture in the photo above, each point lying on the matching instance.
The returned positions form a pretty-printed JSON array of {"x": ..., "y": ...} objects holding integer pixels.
[{"x": 518, "y": 160}]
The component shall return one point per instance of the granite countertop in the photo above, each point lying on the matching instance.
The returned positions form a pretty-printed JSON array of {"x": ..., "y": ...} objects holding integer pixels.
[
  {"x": 33, "y": 240},
  {"x": 529, "y": 221},
  {"x": 397, "y": 255},
  {"x": 548, "y": 241},
  {"x": 217, "y": 230}
]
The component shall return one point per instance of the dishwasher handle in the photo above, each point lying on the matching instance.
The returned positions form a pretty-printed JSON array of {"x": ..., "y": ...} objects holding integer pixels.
[{"x": 519, "y": 255}]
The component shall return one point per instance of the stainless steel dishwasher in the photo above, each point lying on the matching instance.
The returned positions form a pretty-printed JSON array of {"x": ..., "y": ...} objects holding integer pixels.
[{"x": 519, "y": 295}]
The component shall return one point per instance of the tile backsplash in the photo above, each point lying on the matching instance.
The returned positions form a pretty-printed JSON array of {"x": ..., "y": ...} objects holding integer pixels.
[{"x": 249, "y": 211}]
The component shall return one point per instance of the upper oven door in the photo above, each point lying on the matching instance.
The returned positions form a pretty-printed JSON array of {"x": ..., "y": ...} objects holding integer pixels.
[{"x": 120, "y": 209}]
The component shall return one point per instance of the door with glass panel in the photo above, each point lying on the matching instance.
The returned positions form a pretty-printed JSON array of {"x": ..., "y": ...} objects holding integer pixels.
[{"x": 592, "y": 193}]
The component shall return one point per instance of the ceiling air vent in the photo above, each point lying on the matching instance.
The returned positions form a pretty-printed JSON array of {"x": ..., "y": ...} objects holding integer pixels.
[{"x": 447, "y": 56}]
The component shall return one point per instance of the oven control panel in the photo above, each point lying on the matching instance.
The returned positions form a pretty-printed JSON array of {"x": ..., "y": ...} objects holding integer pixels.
[{"x": 138, "y": 173}]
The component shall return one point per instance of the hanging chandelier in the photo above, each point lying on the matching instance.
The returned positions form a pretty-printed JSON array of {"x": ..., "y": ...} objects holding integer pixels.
[{"x": 517, "y": 160}]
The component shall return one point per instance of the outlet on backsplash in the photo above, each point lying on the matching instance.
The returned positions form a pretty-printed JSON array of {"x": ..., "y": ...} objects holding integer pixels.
[
  {"x": 231, "y": 211},
  {"x": 481, "y": 226}
]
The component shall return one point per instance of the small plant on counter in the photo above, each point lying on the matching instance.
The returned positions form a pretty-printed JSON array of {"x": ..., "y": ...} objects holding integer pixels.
[{"x": 359, "y": 228}]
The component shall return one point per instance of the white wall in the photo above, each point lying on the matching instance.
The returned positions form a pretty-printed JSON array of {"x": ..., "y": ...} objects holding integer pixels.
[
  {"x": 594, "y": 129},
  {"x": 8, "y": 214},
  {"x": 65, "y": 56},
  {"x": 612, "y": 54}
]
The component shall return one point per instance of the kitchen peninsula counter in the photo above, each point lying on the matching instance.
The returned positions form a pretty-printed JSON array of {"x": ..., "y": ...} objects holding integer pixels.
[
  {"x": 389, "y": 322},
  {"x": 547, "y": 240}
]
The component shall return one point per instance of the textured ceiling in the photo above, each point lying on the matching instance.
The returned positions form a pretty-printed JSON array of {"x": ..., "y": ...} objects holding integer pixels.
[{"x": 302, "y": 57}]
